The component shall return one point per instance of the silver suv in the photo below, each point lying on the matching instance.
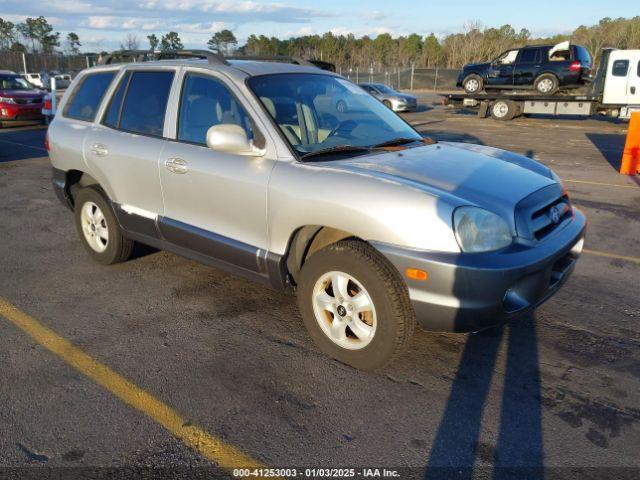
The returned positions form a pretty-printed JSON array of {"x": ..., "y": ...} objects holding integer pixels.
[{"x": 247, "y": 166}]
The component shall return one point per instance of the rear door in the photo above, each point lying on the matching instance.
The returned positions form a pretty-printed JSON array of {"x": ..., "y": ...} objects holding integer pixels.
[
  {"x": 618, "y": 82},
  {"x": 123, "y": 149},
  {"x": 527, "y": 66}
]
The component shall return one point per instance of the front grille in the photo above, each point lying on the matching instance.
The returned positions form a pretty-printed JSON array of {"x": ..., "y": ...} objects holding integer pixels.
[
  {"x": 542, "y": 213},
  {"x": 547, "y": 219},
  {"x": 28, "y": 101}
]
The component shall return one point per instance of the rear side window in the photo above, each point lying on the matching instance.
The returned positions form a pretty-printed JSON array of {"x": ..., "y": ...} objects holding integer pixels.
[
  {"x": 529, "y": 55},
  {"x": 87, "y": 96},
  {"x": 145, "y": 102},
  {"x": 620, "y": 68}
]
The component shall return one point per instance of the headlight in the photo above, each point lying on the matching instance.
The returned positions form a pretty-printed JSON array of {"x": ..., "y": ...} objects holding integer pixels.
[
  {"x": 479, "y": 230},
  {"x": 6, "y": 100}
]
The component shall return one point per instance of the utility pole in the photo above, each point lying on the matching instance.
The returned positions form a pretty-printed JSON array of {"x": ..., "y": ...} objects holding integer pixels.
[
  {"x": 412, "y": 68},
  {"x": 24, "y": 63}
]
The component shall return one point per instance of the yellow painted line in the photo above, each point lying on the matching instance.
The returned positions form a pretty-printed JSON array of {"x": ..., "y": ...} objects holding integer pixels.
[
  {"x": 612, "y": 255},
  {"x": 600, "y": 183},
  {"x": 207, "y": 445}
]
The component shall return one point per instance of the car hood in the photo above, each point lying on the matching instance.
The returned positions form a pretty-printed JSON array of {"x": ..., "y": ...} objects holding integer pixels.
[
  {"x": 476, "y": 66},
  {"x": 459, "y": 173},
  {"x": 21, "y": 93}
]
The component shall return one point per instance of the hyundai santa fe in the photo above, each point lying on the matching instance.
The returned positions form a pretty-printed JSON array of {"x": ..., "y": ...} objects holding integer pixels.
[{"x": 239, "y": 165}]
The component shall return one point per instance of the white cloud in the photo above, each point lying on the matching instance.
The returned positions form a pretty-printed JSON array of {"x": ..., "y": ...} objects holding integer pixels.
[
  {"x": 376, "y": 15},
  {"x": 201, "y": 27},
  {"x": 103, "y": 21},
  {"x": 359, "y": 32}
]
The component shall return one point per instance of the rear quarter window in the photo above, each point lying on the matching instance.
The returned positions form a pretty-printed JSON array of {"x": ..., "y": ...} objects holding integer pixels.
[
  {"x": 582, "y": 54},
  {"x": 86, "y": 98}
]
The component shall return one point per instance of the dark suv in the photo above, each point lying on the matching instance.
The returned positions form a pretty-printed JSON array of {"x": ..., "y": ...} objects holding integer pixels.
[{"x": 544, "y": 68}]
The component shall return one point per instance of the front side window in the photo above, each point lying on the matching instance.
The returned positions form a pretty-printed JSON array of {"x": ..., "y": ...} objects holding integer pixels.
[
  {"x": 145, "y": 102},
  {"x": 206, "y": 102},
  {"x": 620, "y": 68},
  {"x": 507, "y": 58},
  {"x": 87, "y": 96},
  {"x": 319, "y": 112}
]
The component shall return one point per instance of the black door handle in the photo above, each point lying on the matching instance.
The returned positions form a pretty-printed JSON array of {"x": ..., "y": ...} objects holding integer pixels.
[{"x": 633, "y": 90}]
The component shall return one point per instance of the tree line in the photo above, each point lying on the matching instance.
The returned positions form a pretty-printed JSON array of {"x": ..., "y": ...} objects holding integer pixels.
[{"x": 473, "y": 43}]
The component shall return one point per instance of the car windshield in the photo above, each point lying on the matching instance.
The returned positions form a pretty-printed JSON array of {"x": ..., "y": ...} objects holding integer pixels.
[
  {"x": 321, "y": 114},
  {"x": 11, "y": 82}
]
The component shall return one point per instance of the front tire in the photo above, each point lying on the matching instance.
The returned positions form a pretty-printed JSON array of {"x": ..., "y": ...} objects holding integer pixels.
[
  {"x": 473, "y": 84},
  {"x": 355, "y": 305},
  {"x": 98, "y": 228}
]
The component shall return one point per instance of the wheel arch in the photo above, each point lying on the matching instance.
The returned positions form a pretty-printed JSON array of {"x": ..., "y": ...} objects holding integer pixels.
[
  {"x": 75, "y": 179},
  {"x": 307, "y": 240}
]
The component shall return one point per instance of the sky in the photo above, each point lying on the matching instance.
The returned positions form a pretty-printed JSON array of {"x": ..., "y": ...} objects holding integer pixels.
[{"x": 105, "y": 24}]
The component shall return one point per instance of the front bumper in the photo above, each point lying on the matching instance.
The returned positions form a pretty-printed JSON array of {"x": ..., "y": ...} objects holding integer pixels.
[
  {"x": 403, "y": 106},
  {"x": 13, "y": 112},
  {"x": 470, "y": 292}
]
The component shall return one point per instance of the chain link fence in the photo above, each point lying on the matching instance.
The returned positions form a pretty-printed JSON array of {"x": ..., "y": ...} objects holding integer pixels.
[
  {"x": 408, "y": 78},
  {"x": 37, "y": 62}
]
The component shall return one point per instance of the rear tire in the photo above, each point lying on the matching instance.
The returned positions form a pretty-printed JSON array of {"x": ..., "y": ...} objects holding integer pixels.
[
  {"x": 504, "y": 110},
  {"x": 98, "y": 228},
  {"x": 473, "y": 84},
  {"x": 355, "y": 305},
  {"x": 546, "y": 84}
]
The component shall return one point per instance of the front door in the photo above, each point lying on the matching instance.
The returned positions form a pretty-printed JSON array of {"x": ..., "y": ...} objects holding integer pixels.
[
  {"x": 633, "y": 84},
  {"x": 502, "y": 69},
  {"x": 214, "y": 202}
]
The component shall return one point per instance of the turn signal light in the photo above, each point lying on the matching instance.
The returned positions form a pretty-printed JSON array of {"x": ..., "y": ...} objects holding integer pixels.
[{"x": 417, "y": 274}]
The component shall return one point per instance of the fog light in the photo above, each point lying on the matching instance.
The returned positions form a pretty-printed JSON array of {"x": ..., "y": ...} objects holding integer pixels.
[{"x": 577, "y": 248}]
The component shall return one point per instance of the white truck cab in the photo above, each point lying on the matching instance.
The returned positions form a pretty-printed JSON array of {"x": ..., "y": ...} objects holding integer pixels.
[{"x": 622, "y": 83}]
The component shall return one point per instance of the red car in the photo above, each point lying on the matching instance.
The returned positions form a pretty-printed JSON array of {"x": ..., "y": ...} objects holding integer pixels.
[{"x": 19, "y": 100}]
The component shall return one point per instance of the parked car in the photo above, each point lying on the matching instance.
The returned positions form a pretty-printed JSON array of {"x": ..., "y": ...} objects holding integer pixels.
[
  {"x": 543, "y": 68},
  {"x": 63, "y": 80},
  {"x": 371, "y": 224},
  {"x": 396, "y": 101},
  {"x": 19, "y": 100}
]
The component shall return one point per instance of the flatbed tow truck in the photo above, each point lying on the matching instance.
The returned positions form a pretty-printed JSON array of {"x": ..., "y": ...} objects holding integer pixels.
[{"x": 614, "y": 92}]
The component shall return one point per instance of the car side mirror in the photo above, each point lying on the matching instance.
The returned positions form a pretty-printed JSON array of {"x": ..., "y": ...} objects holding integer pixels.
[{"x": 231, "y": 138}]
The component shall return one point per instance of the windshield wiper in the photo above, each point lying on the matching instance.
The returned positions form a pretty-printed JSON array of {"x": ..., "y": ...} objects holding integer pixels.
[
  {"x": 396, "y": 141},
  {"x": 335, "y": 149}
]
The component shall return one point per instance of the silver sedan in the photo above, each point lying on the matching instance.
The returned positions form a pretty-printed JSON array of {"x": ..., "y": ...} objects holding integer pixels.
[{"x": 396, "y": 101}]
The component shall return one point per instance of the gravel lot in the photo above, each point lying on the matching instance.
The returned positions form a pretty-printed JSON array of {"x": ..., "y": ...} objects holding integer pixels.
[{"x": 559, "y": 389}]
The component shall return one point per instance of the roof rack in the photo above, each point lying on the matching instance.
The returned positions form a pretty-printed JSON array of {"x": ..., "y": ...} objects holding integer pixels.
[
  {"x": 148, "y": 55},
  {"x": 212, "y": 57},
  {"x": 287, "y": 59}
]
